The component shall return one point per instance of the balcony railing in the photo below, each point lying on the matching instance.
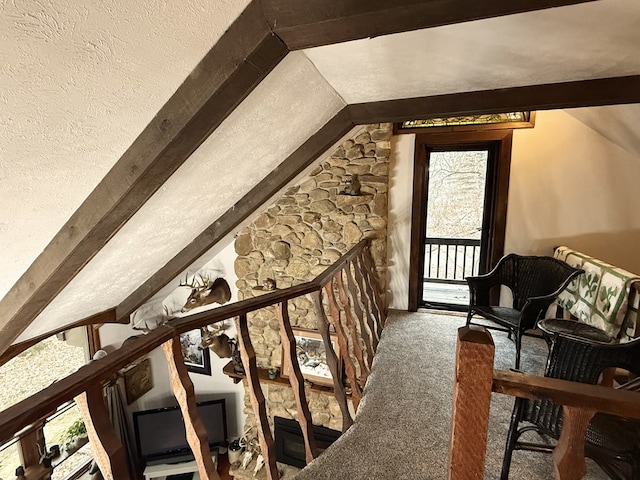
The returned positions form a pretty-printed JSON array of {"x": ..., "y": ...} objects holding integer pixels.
[
  {"x": 450, "y": 260},
  {"x": 475, "y": 379},
  {"x": 347, "y": 299}
]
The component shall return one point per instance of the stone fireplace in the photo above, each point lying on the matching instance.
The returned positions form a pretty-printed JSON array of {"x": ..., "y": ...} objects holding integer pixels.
[{"x": 307, "y": 229}]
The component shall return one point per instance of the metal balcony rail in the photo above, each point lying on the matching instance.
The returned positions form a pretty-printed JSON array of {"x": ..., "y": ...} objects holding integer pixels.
[{"x": 450, "y": 260}]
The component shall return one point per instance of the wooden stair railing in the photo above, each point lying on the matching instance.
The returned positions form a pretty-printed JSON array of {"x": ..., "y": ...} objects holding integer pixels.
[
  {"x": 475, "y": 379},
  {"x": 108, "y": 451},
  {"x": 332, "y": 361},
  {"x": 184, "y": 392},
  {"x": 258, "y": 402},
  {"x": 356, "y": 313},
  {"x": 297, "y": 382}
]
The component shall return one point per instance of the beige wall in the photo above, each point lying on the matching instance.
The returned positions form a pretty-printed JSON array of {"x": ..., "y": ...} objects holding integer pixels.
[
  {"x": 399, "y": 230},
  {"x": 569, "y": 185}
]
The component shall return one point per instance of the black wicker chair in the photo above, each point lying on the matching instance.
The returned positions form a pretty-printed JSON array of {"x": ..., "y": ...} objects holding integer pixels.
[
  {"x": 612, "y": 442},
  {"x": 534, "y": 281}
]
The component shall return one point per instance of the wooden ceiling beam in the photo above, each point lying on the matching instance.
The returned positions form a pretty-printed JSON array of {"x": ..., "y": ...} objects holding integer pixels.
[
  {"x": 560, "y": 95},
  {"x": 236, "y": 64},
  {"x": 321, "y": 22},
  {"x": 584, "y": 93}
]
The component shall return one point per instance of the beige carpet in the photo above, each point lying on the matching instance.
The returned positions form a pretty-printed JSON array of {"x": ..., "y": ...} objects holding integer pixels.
[{"x": 402, "y": 427}]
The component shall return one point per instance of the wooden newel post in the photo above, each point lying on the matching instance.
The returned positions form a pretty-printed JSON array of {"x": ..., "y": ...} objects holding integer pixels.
[
  {"x": 568, "y": 456},
  {"x": 471, "y": 401}
]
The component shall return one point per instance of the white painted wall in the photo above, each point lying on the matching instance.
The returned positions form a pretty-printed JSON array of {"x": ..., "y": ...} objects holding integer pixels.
[
  {"x": 568, "y": 185},
  {"x": 399, "y": 229},
  {"x": 206, "y": 387}
]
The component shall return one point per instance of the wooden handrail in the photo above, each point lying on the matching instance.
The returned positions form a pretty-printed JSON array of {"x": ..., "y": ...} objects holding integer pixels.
[
  {"x": 580, "y": 401},
  {"x": 47, "y": 400},
  {"x": 362, "y": 292},
  {"x": 331, "y": 271}
]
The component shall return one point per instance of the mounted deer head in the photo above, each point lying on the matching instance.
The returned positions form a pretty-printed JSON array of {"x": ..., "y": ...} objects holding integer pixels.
[
  {"x": 205, "y": 292},
  {"x": 216, "y": 341}
]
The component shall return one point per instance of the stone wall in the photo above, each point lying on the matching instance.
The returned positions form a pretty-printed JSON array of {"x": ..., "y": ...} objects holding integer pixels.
[{"x": 306, "y": 230}]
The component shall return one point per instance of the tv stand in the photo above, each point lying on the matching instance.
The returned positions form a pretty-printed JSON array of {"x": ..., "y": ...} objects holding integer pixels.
[{"x": 163, "y": 470}]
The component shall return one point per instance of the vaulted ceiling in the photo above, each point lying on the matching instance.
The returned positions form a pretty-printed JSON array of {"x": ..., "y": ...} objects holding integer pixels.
[{"x": 137, "y": 135}]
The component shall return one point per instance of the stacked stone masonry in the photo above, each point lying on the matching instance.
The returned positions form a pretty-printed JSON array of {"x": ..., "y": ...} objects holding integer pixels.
[{"x": 307, "y": 229}]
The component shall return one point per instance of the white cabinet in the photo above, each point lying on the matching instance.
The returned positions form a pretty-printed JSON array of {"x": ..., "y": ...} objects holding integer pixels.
[{"x": 163, "y": 470}]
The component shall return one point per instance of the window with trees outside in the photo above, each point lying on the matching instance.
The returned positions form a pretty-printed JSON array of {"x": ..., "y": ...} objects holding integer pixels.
[{"x": 26, "y": 374}]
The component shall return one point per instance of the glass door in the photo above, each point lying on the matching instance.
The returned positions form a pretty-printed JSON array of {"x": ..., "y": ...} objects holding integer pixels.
[{"x": 453, "y": 239}]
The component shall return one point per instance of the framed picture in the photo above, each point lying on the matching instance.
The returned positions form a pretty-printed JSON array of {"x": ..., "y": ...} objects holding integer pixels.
[
  {"x": 138, "y": 381},
  {"x": 312, "y": 357},
  {"x": 196, "y": 360}
]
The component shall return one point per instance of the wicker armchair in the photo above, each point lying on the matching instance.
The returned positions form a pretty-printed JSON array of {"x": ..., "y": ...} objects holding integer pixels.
[
  {"x": 535, "y": 282},
  {"x": 612, "y": 442}
]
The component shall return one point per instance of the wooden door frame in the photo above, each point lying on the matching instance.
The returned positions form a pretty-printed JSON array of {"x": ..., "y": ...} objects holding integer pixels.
[{"x": 495, "y": 206}]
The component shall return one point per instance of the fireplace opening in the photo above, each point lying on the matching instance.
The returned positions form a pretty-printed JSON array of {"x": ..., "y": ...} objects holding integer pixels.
[{"x": 290, "y": 442}]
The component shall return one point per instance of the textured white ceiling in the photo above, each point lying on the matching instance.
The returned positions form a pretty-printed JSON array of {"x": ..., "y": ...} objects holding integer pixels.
[
  {"x": 78, "y": 83},
  {"x": 248, "y": 145},
  {"x": 591, "y": 40}
]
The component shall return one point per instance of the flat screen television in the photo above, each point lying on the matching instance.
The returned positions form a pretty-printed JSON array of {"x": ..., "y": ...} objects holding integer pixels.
[{"x": 161, "y": 437}]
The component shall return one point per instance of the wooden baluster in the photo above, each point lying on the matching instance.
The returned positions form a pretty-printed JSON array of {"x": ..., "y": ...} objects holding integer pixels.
[
  {"x": 364, "y": 327},
  {"x": 108, "y": 451},
  {"x": 375, "y": 284},
  {"x": 31, "y": 441},
  {"x": 351, "y": 325},
  {"x": 332, "y": 361},
  {"x": 258, "y": 402},
  {"x": 184, "y": 392},
  {"x": 568, "y": 456},
  {"x": 297, "y": 381},
  {"x": 471, "y": 401},
  {"x": 334, "y": 310},
  {"x": 367, "y": 295}
]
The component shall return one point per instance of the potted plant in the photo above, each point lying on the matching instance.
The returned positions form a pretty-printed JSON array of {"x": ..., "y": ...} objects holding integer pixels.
[
  {"x": 234, "y": 451},
  {"x": 75, "y": 436}
]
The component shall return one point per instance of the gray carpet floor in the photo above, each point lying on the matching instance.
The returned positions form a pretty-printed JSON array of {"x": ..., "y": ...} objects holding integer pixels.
[{"x": 403, "y": 425}]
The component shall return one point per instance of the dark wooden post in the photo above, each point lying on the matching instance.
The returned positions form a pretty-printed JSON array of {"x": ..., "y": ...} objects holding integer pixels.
[
  {"x": 332, "y": 361},
  {"x": 31, "y": 441},
  {"x": 184, "y": 392},
  {"x": 258, "y": 401},
  {"x": 334, "y": 310},
  {"x": 108, "y": 451},
  {"x": 471, "y": 400},
  {"x": 297, "y": 381},
  {"x": 353, "y": 331}
]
